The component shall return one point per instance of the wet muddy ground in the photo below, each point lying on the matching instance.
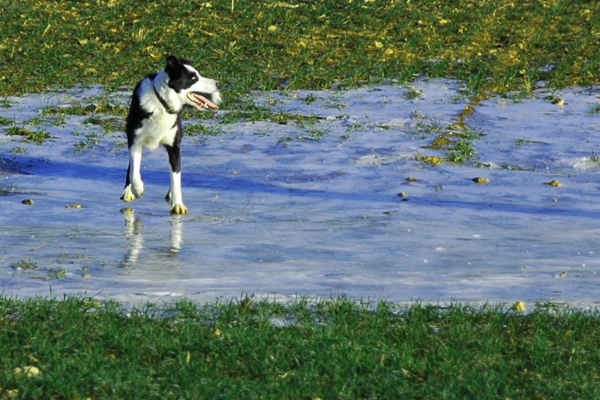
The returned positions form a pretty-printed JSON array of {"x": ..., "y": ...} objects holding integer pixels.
[{"x": 311, "y": 207}]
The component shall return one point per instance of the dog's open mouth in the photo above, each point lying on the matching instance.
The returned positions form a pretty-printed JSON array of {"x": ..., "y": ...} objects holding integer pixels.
[{"x": 201, "y": 100}]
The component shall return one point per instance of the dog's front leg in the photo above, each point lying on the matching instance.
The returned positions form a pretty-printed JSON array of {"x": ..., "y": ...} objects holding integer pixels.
[
  {"x": 174, "y": 196},
  {"x": 134, "y": 187}
]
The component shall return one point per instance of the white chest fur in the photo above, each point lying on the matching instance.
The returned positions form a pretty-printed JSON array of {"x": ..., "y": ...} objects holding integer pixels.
[{"x": 161, "y": 128}]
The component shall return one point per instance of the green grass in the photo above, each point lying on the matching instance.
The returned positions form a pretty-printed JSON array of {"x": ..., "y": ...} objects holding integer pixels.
[
  {"x": 18, "y": 150},
  {"x": 6, "y": 121},
  {"x": 25, "y": 265},
  {"x": 491, "y": 45},
  {"x": 36, "y": 121},
  {"x": 302, "y": 350},
  {"x": 113, "y": 124},
  {"x": 461, "y": 151},
  {"x": 6, "y": 103},
  {"x": 310, "y": 98},
  {"x": 89, "y": 142},
  {"x": 102, "y": 107},
  {"x": 457, "y": 140},
  {"x": 38, "y": 137}
]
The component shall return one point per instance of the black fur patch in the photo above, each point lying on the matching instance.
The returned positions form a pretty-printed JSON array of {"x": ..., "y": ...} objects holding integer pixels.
[
  {"x": 180, "y": 77},
  {"x": 137, "y": 114}
]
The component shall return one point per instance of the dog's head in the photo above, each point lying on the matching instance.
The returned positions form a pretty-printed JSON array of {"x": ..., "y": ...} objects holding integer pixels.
[{"x": 193, "y": 89}]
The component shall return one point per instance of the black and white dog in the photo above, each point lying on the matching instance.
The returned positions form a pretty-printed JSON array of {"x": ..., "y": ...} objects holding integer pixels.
[{"x": 155, "y": 119}]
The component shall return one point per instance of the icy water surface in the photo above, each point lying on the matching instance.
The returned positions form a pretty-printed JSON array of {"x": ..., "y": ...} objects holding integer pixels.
[{"x": 311, "y": 207}]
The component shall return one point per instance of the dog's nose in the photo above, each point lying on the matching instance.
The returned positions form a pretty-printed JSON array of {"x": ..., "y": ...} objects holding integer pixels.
[{"x": 218, "y": 84}]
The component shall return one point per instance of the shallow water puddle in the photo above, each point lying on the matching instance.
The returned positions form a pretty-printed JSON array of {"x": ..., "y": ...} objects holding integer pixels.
[{"x": 311, "y": 207}]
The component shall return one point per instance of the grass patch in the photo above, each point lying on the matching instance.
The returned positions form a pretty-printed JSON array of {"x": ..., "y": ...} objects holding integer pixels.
[
  {"x": 94, "y": 120},
  {"x": 102, "y": 107},
  {"x": 521, "y": 142},
  {"x": 315, "y": 133},
  {"x": 90, "y": 141},
  {"x": 118, "y": 144},
  {"x": 55, "y": 273},
  {"x": 18, "y": 150},
  {"x": 461, "y": 151},
  {"x": 108, "y": 124},
  {"x": 329, "y": 349},
  {"x": 113, "y": 125},
  {"x": 194, "y": 129},
  {"x": 6, "y": 121},
  {"x": 424, "y": 128},
  {"x": 490, "y": 45},
  {"x": 6, "y": 103},
  {"x": 36, "y": 121},
  {"x": 595, "y": 109},
  {"x": 259, "y": 114},
  {"x": 333, "y": 104},
  {"x": 25, "y": 265},
  {"x": 310, "y": 98},
  {"x": 85, "y": 144},
  {"x": 457, "y": 140},
  {"x": 38, "y": 137},
  {"x": 57, "y": 120},
  {"x": 412, "y": 94}
]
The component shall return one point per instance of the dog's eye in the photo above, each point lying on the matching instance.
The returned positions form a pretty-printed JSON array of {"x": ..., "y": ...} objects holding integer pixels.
[{"x": 194, "y": 78}]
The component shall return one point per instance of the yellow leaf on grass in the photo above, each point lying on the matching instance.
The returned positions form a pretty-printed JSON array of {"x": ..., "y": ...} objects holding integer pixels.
[
  {"x": 553, "y": 183},
  {"x": 28, "y": 370}
]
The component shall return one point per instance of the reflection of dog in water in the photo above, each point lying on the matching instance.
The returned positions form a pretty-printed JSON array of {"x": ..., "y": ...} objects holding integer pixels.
[
  {"x": 154, "y": 120},
  {"x": 134, "y": 233}
]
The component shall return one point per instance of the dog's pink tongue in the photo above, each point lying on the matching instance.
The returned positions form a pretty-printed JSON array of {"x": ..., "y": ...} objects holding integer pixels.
[
  {"x": 211, "y": 104},
  {"x": 206, "y": 101}
]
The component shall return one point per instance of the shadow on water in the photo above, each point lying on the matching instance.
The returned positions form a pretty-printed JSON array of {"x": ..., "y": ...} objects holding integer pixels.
[{"x": 237, "y": 184}]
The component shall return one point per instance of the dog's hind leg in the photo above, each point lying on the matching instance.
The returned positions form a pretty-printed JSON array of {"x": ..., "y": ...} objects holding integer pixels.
[
  {"x": 134, "y": 187},
  {"x": 174, "y": 195}
]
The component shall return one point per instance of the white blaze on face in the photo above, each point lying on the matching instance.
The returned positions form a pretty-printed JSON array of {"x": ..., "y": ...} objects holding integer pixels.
[{"x": 196, "y": 94}]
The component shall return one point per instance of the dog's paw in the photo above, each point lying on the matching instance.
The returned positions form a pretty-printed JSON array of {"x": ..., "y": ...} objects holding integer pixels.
[
  {"x": 179, "y": 209},
  {"x": 138, "y": 189},
  {"x": 127, "y": 195}
]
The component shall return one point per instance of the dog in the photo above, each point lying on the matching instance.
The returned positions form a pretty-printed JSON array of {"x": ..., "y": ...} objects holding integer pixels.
[{"x": 154, "y": 120}]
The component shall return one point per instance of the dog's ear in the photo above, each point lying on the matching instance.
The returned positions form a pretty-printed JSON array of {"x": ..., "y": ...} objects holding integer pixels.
[
  {"x": 172, "y": 62},
  {"x": 185, "y": 61}
]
